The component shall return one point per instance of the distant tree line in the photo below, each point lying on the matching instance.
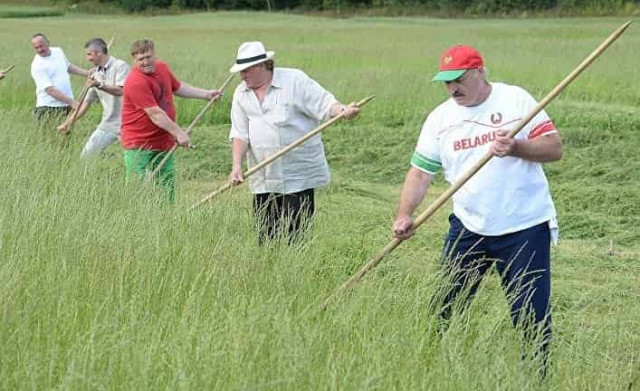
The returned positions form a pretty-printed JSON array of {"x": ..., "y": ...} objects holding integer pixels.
[{"x": 451, "y": 6}]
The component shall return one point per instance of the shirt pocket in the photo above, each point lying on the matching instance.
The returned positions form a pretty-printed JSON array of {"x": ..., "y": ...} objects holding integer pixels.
[{"x": 281, "y": 114}]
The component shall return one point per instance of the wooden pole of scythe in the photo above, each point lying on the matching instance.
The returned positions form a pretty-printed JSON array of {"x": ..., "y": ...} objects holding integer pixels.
[
  {"x": 83, "y": 95},
  {"x": 10, "y": 67},
  {"x": 373, "y": 262},
  {"x": 279, "y": 154},
  {"x": 190, "y": 128}
]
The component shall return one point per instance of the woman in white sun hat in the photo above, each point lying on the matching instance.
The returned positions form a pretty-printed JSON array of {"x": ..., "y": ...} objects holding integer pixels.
[{"x": 271, "y": 108}]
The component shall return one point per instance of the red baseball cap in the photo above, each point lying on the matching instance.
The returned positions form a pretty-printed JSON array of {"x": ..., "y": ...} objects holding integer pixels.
[{"x": 457, "y": 60}]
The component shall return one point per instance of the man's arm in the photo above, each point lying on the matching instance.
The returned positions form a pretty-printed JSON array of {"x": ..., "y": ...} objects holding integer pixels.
[
  {"x": 113, "y": 90},
  {"x": 239, "y": 150},
  {"x": 64, "y": 128},
  {"x": 74, "y": 70},
  {"x": 187, "y": 91},
  {"x": 160, "y": 118},
  {"x": 59, "y": 95},
  {"x": 542, "y": 149},
  {"x": 414, "y": 189}
]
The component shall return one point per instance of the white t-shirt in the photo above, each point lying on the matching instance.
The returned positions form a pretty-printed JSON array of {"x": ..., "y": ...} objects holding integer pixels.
[
  {"x": 51, "y": 71},
  {"x": 508, "y": 194}
]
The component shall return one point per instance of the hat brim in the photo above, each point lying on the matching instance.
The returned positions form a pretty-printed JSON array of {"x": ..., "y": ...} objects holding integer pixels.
[
  {"x": 241, "y": 67},
  {"x": 448, "y": 75}
]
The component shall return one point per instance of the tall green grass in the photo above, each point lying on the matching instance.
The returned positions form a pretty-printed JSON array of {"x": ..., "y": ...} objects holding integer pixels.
[{"x": 104, "y": 286}]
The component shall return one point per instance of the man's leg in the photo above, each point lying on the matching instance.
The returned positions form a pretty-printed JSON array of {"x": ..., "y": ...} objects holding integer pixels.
[
  {"x": 140, "y": 162},
  {"x": 298, "y": 209},
  {"x": 166, "y": 175},
  {"x": 525, "y": 269},
  {"x": 266, "y": 212},
  {"x": 46, "y": 115},
  {"x": 464, "y": 264},
  {"x": 136, "y": 162},
  {"x": 47, "y": 119},
  {"x": 39, "y": 114},
  {"x": 98, "y": 142}
]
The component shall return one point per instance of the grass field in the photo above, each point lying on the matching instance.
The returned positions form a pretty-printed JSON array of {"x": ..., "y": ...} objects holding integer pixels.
[{"x": 103, "y": 287}]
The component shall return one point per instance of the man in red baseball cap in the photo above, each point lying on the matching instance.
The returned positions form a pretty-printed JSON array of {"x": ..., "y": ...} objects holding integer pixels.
[
  {"x": 504, "y": 215},
  {"x": 457, "y": 60},
  {"x": 462, "y": 69}
]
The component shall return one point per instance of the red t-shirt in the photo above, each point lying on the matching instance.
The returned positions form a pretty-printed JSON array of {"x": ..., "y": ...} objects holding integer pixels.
[{"x": 140, "y": 92}]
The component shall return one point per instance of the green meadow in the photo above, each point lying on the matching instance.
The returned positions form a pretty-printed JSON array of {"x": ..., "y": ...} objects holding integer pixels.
[{"x": 103, "y": 286}]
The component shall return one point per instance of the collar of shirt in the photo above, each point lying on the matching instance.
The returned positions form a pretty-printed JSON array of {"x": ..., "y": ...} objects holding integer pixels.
[
  {"x": 276, "y": 80},
  {"x": 107, "y": 65}
]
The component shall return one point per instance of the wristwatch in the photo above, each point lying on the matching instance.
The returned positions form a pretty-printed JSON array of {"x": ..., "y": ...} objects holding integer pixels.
[{"x": 101, "y": 85}]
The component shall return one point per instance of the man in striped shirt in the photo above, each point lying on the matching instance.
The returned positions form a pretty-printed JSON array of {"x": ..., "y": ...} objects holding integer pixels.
[{"x": 504, "y": 215}]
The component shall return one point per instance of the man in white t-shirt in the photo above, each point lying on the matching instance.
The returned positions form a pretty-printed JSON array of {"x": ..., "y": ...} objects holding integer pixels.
[
  {"x": 50, "y": 71},
  {"x": 105, "y": 85},
  {"x": 502, "y": 215}
]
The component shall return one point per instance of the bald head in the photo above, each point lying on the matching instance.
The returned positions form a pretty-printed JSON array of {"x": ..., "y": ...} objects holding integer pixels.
[{"x": 40, "y": 44}]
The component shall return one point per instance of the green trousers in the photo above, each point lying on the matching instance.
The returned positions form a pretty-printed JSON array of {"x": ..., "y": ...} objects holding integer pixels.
[{"x": 139, "y": 163}]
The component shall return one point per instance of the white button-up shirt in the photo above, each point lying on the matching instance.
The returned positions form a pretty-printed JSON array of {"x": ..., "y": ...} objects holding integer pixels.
[
  {"x": 114, "y": 73},
  {"x": 294, "y": 105}
]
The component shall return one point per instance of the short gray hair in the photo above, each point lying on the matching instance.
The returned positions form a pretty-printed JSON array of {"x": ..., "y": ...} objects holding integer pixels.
[
  {"x": 97, "y": 44},
  {"x": 483, "y": 69},
  {"x": 40, "y": 35}
]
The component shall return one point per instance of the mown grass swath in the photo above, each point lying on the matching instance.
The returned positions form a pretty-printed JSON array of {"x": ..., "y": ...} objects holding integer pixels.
[{"x": 104, "y": 286}]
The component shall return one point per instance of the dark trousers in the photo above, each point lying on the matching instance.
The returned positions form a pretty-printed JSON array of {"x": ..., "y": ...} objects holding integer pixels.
[
  {"x": 522, "y": 260},
  {"x": 283, "y": 214},
  {"x": 46, "y": 114}
]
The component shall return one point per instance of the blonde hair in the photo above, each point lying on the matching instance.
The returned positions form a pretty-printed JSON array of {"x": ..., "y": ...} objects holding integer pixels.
[{"x": 141, "y": 46}]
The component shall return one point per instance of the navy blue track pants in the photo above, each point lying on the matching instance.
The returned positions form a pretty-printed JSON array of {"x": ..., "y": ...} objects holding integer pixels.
[{"x": 523, "y": 262}]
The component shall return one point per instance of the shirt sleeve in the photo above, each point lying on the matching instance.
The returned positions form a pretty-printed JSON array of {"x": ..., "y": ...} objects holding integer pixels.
[
  {"x": 64, "y": 58},
  {"x": 541, "y": 124},
  {"x": 175, "y": 83},
  {"x": 40, "y": 77},
  {"x": 92, "y": 95},
  {"x": 314, "y": 100},
  {"x": 239, "y": 121},
  {"x": 426, "y": 156},
  {"x": 122, "y": 71}
]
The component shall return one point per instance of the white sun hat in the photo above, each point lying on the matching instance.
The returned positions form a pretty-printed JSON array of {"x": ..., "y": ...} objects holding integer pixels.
[{"x": 250, "y": 54}]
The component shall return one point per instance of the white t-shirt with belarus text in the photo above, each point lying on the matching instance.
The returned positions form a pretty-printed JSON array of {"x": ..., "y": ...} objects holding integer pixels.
[
  {"x": 508, "y": 194},
  {"x": 51, "y": 71}
]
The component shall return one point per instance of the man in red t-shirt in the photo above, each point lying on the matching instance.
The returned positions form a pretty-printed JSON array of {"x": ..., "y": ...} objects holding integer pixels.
[{"x": 148, "y": 114}]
